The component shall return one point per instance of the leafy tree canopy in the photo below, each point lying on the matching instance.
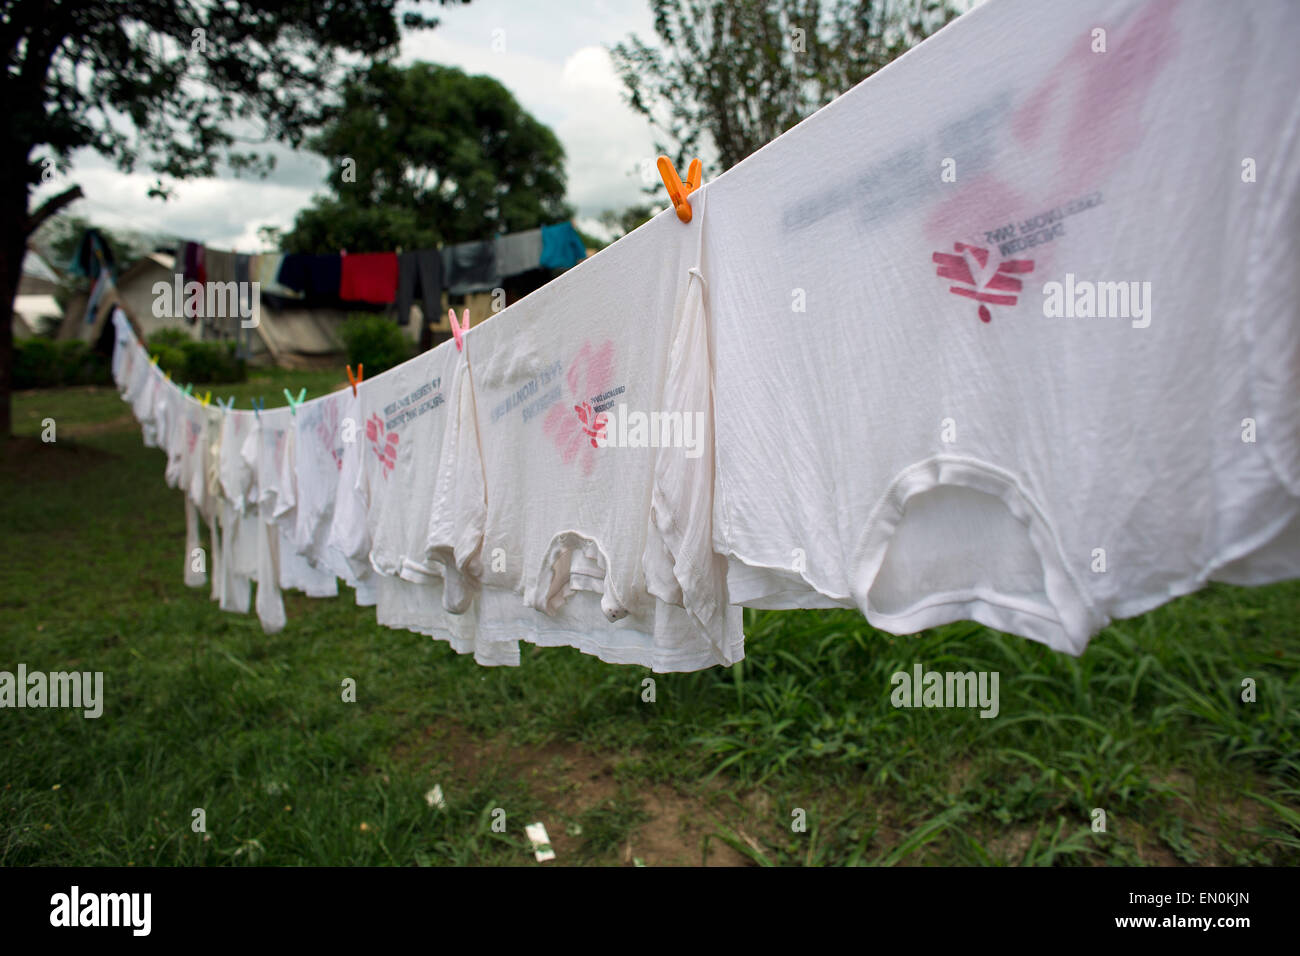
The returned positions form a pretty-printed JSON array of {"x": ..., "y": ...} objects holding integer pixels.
[
  {"x": 178, "y": 85},
  {"x": 426, "y": 155},
  {"x": 732, "y": 75}
]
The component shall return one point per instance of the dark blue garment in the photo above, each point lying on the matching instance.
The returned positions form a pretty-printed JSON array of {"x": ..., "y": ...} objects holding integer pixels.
[
  {"x": 562, "y": 247},
  {"x": 293, "y": 271},
  {"x": 325, "y": 275},
  {"x": 316, "y": 277}
]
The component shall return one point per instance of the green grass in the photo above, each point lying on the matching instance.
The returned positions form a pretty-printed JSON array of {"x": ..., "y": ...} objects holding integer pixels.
[{"x": 205, "y": 711}]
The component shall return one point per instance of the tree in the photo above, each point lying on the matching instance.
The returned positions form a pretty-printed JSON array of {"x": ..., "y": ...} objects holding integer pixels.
[
  {"x": 171, "y": 84},
  {"x": 426, "y": 155},
  {"x": 732, "y": 75}
]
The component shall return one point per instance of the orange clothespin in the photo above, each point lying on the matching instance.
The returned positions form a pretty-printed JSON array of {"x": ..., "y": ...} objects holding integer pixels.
[
  {"x": 678, "y": 190},
  {"x": 354, "y": 379},
  {"x": 457, "y": 330}
]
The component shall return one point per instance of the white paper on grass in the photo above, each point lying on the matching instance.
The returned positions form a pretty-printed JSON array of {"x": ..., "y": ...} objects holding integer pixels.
[{"x": 536, "y": 833}]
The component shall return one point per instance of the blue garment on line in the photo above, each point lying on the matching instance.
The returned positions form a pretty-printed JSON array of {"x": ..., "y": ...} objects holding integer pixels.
[{"x": 562, "y": 247}]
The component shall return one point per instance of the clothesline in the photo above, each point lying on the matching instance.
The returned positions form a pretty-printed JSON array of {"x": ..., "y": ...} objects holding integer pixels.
[
  {"x": 783, "y": 403},
  {"x": 387, "y": 278}
]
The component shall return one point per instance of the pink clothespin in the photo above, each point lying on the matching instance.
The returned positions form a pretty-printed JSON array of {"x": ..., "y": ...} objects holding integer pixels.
[{"x": 457, "y": 329}]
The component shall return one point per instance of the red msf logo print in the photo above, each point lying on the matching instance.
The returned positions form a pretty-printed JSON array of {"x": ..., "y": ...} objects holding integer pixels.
[
  {"x": 575, "y": 434},
  {"x": 592, "y": 424},
  {"x": 385, "y": 446},
  {"x": 992, "y": 286}
]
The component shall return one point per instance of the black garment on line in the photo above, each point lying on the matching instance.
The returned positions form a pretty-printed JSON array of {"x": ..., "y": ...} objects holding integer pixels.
[
  {"x": 470, "y": 267},
  {"x": 419, "y": 272},
  {"x": 316, "y": 276}
]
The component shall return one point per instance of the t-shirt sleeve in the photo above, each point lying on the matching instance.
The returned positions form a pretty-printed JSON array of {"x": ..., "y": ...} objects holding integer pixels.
[
  {"x": 679, "y": 561},
  {"x": 456, "y": 520},
  {"x": 348, "y": 534}
]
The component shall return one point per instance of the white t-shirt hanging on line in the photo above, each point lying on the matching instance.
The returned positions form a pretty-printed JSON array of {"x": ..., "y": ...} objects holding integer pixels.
[
  {"x": 323, "y": 430},
  {"x": 539, "y": 508},
  {"x": 999, "y": 359}
]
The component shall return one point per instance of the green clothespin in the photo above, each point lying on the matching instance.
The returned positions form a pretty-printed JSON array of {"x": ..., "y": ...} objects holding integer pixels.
[
  {"x": 189, "y": 387},
  {"x": 295, "y": 402}
]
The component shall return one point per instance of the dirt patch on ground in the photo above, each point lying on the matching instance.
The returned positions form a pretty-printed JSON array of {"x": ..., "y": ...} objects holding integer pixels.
[
  {"x": 574, "y": 781},
  {"x": 675, "y": 834}
]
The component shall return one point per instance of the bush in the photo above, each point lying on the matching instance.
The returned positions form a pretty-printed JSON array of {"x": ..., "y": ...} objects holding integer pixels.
[
  {"x": 374, "y": 341},
  {"x": 36, "y": 364},
  {"x": 196, "y": 362},
  {"x": 82, "y": 365},
  {"x": 176, "y": 338},
  {"x": 40, "y": 363},
  {"x": 170, "y": 359},
  {"x": 213, "y": 362}
]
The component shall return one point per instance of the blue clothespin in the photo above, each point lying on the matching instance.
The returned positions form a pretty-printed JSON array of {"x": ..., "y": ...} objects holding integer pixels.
[
  {"x": 189, "y": 387},
  {"x": 227, "y": 405},
  {"x": 295, "y": 402},
  {"x": 258, "y": 404}
]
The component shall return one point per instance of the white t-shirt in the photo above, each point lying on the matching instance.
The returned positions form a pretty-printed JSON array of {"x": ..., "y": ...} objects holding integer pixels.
[
  {"x": 239, "y": 514},
  {"x": 259, "y": 461},
  {"x": 296, "y": 572},
  {"x": 323, "y": 430},
  {"x": 538, "y": 510},
  {"x": 402, "y": 416},
  {"x": 124, "y": 344},
  {"x": 910, "y": 418}
]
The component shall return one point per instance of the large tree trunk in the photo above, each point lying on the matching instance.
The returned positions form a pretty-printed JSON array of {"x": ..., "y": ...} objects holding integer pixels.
[
  {"x": 15, "y": 227},
  {"x": 7, "y": 290},
  {"x": 13, "y": 244},
  {"x": 25, "y": 98}
]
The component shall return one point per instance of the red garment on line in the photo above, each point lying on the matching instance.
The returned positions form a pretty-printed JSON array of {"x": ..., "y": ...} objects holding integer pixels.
[{"x": 369, "y": 277}]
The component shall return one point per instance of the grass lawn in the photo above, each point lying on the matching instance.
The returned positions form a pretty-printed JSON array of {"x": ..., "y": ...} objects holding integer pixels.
[{"x": 203, "y": 710}]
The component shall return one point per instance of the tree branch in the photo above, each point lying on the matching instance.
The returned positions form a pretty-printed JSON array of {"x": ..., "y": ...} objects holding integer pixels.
[{"x": 52, "y": 205}]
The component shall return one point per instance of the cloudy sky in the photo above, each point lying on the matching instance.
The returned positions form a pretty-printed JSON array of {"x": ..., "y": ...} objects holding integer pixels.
[{"x": 555, "y": 62}]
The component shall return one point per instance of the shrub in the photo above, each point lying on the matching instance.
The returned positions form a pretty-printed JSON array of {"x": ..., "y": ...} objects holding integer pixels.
[
  {"x": 374, "y": 341},
  {"x": 41, "y": 363},
  {"x": 170, "y": 359},
  {"x": 176, "y": 338},
  {"x": 36, "y": 364},
  {"x": 196, "y": 362},
  {"x": 79, "y": 364},
  {"x": 213, "y": 362}
]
